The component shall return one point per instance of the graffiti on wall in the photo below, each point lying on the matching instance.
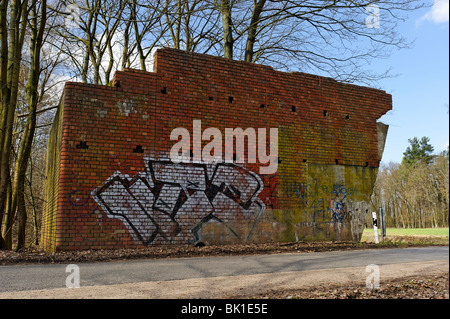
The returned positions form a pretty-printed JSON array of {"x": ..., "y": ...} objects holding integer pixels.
[
  {"x": 170, "y": 202},
  {"x": 311, "y": 196},
  {"x": 311, "y": 190}
]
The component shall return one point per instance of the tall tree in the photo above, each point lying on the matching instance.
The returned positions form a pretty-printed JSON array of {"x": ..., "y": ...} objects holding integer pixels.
[
  {"x": 22, "y": 85},
  {"x": 225, "y": 8},
  {"x": 38, "y": 20},
  {"x": 12, "y": 31}
]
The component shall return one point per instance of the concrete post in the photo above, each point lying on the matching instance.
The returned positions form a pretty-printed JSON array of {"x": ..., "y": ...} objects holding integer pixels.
[{"x": 375, "y": 227}]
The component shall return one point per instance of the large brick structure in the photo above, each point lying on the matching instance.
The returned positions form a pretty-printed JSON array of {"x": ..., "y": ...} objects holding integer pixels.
[{"x": 110, "y": 182}]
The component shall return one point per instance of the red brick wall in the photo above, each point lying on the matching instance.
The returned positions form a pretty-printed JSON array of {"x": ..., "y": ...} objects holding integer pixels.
[{"x": 112, "y": 194}]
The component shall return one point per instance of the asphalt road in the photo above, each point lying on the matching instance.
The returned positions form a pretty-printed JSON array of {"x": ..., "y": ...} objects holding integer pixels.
[{"x": 49, "y": 276}]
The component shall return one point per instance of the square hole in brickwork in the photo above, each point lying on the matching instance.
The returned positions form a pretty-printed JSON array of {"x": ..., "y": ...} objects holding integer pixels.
[
  {"x": 294, "y": 109},
  {"x": 263, "y": 106},
  {"x": 82, "y": 145},
  {"x": 230, "y": 99},
  {"x": 337, "y": 161},
  {"x": 304, "y": 161},
  {"x": 164, "y": 90},
  {"x": 347, "y": 117},
  {"x": 325, "y": 113},
  {"x": 138, "y": 149},
  {"x": 211, "y": 98}
]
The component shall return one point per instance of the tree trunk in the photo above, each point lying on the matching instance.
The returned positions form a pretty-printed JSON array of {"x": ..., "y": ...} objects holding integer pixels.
[
  {"x": 28, "y": 135},
  {"x": 33, "y": 203},
  {"x": 10, "y": 88},
  {"x": 251, "y": 38},
  {"x": 3, "y": 111},
  {"x": 91, "y": 29},
  {"x": 228, "y": 43},
  {"x": 5, "y": 177},
  {"x": 126, "y": 44},
  {"x": 22, "y": 220}
]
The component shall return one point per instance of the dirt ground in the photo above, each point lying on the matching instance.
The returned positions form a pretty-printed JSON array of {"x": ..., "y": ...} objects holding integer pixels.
[
  {"x": 420, "y": 282},
  {"x": 413, "y": 287}
]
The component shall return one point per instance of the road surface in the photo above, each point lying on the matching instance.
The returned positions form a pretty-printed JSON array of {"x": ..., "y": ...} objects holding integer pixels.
[{"x": 213, "y": 276}]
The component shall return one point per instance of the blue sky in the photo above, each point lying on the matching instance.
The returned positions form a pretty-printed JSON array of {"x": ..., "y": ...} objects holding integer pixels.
[{"x": 421, "y": 90}]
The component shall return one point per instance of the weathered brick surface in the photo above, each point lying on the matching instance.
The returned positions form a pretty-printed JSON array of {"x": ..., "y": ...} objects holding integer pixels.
[{"x": 110, "y": 184}]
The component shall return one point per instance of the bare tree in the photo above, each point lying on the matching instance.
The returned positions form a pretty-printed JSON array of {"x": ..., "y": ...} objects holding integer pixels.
[
  {"x": 334, "y": 37},
  {"x": 22, "y": 95},
  {"x": 37, "y": 28},
  {"x": 414, "y": 195}
]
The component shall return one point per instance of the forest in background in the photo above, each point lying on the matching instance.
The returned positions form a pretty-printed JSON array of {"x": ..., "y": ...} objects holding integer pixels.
[{"x": 414, "y": 193}]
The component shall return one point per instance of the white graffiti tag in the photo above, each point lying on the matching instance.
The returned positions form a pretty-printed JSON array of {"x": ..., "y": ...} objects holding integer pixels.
[{"x": 172, "y": 201}]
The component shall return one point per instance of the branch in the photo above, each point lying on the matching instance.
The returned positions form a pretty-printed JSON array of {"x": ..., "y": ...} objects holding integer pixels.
[{"x": 38, "y": 112}]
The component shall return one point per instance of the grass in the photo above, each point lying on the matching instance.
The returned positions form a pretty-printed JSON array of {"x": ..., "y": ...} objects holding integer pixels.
[
  {"x": 431, "y": 235},
  {"x": 416, "y": 232},
  {"x": 410, "y": 232}
]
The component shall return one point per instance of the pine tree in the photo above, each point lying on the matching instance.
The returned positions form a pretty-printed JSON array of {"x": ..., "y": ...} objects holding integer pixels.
[{"x": 419, "y": 151}]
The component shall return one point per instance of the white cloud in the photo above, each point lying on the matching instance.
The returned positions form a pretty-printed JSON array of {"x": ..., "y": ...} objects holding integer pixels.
[{"x": 439, "y": 13}]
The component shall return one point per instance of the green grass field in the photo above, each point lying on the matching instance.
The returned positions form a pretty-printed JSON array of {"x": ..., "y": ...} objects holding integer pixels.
[
  {"x": 416, "y": 232},
  {"x": 431, "y": 234},
  {"x": 410, "y": 231}
]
